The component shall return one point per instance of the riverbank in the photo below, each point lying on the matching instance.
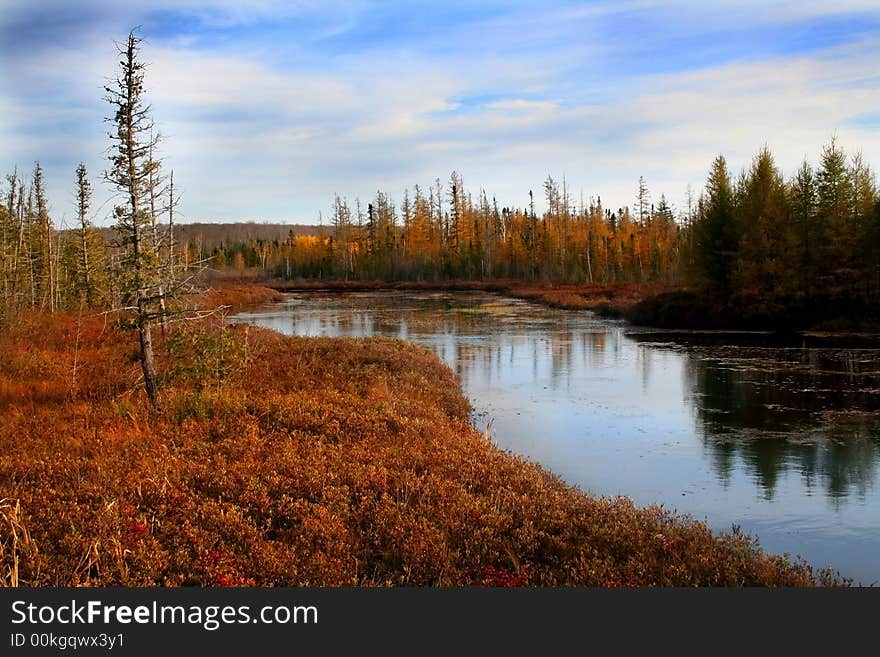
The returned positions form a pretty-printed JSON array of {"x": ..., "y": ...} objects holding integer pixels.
[
  {"x": 645, "y": 304},
  {"x": 685, "y": 309},
  {"x": 300, "y": 461},
  {"x": 608, "y": 300},
  {"x": 238, "y": 296}
]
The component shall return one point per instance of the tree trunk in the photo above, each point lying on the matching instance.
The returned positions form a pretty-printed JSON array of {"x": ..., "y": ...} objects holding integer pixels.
[
  {"x": 85, "y": 260},
  {"x": 148, "y": 358},
  {"x": 50, "y": 281},
  {"x": 171, "y": 226}
]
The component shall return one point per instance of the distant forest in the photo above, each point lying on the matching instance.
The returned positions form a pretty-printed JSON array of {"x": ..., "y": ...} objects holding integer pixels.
[
  {"x": 209, "y": 239},
  {"x": 755, "y": 238}
]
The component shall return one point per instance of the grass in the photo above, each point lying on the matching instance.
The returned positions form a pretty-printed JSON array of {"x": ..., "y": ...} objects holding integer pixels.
[
  {"x": 239, "y": 295},
  {"x": 611, "y": 299},
  {"x": 284, "y": 461}
]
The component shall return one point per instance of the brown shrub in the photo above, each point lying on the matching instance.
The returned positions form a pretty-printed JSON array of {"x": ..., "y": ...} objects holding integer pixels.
[
  {"x": 238, "y": 296},
  {"x": 321, "y": 462}
]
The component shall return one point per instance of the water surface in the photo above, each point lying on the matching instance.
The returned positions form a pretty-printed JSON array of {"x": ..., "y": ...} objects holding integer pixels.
[{"x": 780, "y": 437}]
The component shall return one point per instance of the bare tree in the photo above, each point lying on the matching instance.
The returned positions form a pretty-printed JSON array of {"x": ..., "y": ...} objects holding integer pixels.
[
  {"x": 172, "y": 203},
  {"x": 43, "y": 249},
  {"x": 643, "y": 201},
  {"x": 133, "y": 174}
]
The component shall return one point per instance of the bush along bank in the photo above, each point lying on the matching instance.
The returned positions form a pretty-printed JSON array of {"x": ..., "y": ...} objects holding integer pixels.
[{"x": 282, "y": 461}]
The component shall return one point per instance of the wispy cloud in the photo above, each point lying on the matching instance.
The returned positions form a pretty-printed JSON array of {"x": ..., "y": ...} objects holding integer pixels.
[{"x": 270, "y": 108}]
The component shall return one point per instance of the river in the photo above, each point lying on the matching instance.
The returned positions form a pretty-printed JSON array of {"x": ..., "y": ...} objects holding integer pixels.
[{"x": 779, "y": 436}]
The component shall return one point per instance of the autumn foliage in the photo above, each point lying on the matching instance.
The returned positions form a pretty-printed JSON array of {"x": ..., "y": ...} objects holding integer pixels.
[
  {"x": 610, "y": 299},
  {"x": 238, "y": 295},
  {"x": 285, "y": 461}
]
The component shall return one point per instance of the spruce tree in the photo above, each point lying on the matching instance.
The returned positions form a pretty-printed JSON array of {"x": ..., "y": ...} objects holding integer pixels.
[
  {"x": 132, "y": 173},
  {"x": 716, "y": 234}
]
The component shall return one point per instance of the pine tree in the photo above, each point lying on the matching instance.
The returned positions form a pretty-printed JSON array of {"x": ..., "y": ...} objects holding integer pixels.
[
  {"x": 643, "y": 201},
  {"x": 716, "y": 234},
  {"x": 837, "y": 237},
  {"x": 802, "y": 203},
  {"x": 872, "y": 243},
  {"x": 133, "y": 174},
  {"x": 83, "y": 199},
  {"x": 41, "y": 239},
  {"x": 864, "y": 195},
  {"x": 453, "y": 230},
  {"x": 8, "y": 246},
  {"x": 765, "y": 273},
  {"x": 341, "y": 222}
]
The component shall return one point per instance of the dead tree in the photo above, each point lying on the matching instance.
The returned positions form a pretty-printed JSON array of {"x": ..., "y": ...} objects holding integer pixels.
[{"x": 132, "y": 173}]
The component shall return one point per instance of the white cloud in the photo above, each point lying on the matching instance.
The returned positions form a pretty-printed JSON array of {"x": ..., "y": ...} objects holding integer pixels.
[{"x": 250, "y": 138}]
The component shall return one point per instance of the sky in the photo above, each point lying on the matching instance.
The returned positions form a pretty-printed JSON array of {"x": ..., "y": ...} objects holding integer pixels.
[{"x": 267, "y": 109}]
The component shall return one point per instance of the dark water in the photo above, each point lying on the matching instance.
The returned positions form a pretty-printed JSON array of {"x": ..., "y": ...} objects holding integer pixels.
[{"x": 780, "y": 437}]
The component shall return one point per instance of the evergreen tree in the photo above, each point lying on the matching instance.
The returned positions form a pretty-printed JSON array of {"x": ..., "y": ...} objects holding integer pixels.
[
  {"x": 83, "y": 199},
  {"x": 864, "y": 195},
  {"x": 716, "y": 234},
  {"x": 41, "y": 240},
  {"x": 802, "y": 203},
  {"x": 837, "y": 269},
  {"x": 133, "y": 174},
  {"x": 765, "y": 273},
  {"x": 643, "y": 201}
]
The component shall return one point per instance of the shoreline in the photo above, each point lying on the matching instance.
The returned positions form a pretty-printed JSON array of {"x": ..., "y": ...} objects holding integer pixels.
[
  {"x": 292, "y": 463},
  {"x": 617, "y": 301},
  {"x": 607, "y": 300}
]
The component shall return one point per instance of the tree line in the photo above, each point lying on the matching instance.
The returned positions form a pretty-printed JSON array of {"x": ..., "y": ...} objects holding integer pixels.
[
  {"x": 756, "y": 238},
  {"x": 775, "y": 245},
  {"x": 447, "y": 232},
  {"x": 41, "y": 266}
]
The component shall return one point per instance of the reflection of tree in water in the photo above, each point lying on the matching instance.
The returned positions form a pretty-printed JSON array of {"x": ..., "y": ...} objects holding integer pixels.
[
  {"x": 485, "y": 357},
  {"x": 478, "y": 337},
  {"x": 762, "y": 405},
  {"x": 643, "y": 356},
  {"x": 812, "y": 411}
]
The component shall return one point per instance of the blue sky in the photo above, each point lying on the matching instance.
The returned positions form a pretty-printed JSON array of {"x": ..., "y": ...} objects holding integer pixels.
[{"x": 269, "y": 108}]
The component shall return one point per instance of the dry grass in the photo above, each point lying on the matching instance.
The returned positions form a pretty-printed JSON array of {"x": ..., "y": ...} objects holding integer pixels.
[
  {"x": 300, "y": 462},
  {"x": 16, "y": 543},
  {"x": 613, "y": 299},
  {"x": 238, "y": 295}
]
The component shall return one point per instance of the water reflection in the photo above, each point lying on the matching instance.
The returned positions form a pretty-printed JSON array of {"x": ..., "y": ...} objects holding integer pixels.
[
  {"x": 780, "y": 437},
  {"x": 812, "y": 410}
]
